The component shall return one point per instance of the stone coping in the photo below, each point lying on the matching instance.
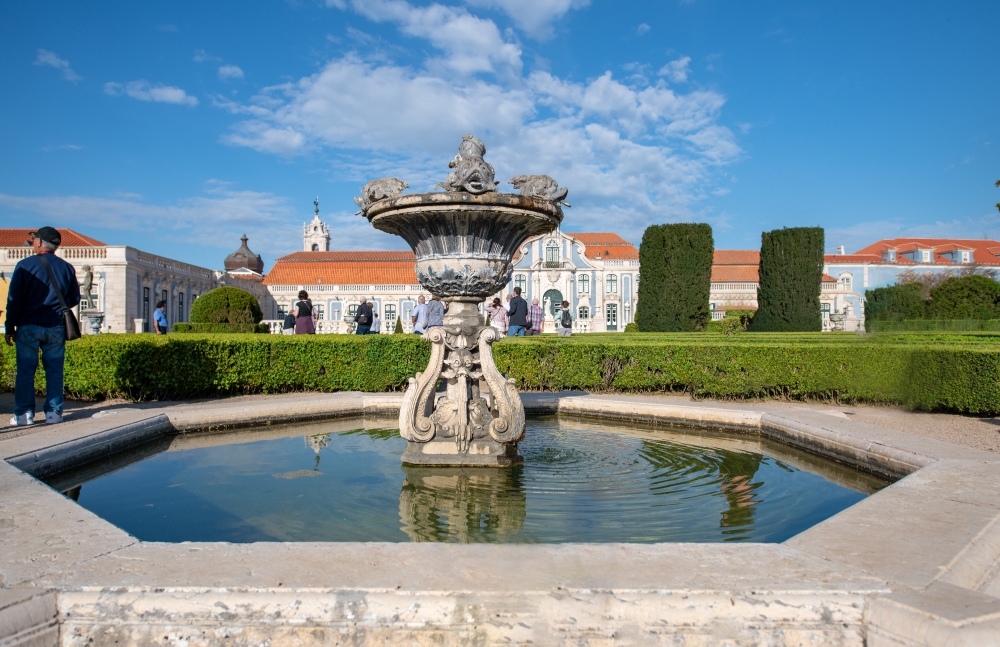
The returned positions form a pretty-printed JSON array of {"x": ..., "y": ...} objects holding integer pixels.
[{"x": 916, "y": 563}]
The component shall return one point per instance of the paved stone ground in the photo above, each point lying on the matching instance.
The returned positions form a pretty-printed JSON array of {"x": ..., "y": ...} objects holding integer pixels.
[{"x": 971, "y": 431}]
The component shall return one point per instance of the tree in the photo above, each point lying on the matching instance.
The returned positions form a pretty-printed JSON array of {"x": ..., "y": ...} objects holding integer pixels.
[
  {"x": 226, "y": 305},
  {"x": 399, "y": 327},
  {"x": 968, "y": 297},
  {"x": 895, "y": 303},
  {"x": 791, "y": 272},
  {"x": 676, "y": 272}
]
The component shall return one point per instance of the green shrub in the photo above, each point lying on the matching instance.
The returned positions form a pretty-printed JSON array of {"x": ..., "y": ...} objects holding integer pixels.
[
  {"x": 226, "y": 305},
  {"x": 631, "y": 327},
  {"x": 894, "y": 303},
  {"x": 221, "y": 328},
  {"x": 399, "y": 327},
  {"x": 934, "y": 325},
  {"x": 791, "y": 272},
  {"x": 945, "y": 371},
  {"x": 675, "y": 263},
  {"x": 968, "y": 297}
]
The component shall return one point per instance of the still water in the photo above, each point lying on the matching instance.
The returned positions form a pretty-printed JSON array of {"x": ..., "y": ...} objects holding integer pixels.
[{"x": 580, "y": 482}]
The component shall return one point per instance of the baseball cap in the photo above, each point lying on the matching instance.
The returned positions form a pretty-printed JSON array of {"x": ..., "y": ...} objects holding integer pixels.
[{"x": 48, "y": 234}]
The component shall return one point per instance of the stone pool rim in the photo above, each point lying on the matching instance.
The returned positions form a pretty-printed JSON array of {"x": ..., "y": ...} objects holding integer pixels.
[{"x": 916, "y": 563}]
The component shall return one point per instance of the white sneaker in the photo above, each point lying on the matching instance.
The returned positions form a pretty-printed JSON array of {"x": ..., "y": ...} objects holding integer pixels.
[
  {"x": 51, "y": 417},
  {"x": 23, "y": 420}
]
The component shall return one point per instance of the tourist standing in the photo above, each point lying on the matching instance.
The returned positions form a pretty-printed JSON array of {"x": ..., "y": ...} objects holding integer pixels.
[
  {"x": 419, "y": 317},
  {"x": 376, "y": 325},
  {"x": 498, "y": 316},
  {"x": 288, "y": 326},
  {"x": 160, "y": 324},
  {"x": 435, "y": 312},
  {"x": 35, "y": 321},
  {"x": 304, "y": 324},
  {"x": 565, "y": 321},
  {"x": 518, "y": 314},
  {"x": 535, "y": 317},
  {"x": 364, "y": 318}
]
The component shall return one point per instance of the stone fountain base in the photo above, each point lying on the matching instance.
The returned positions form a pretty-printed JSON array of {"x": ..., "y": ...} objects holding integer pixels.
[{"x": 478, "y": 420}]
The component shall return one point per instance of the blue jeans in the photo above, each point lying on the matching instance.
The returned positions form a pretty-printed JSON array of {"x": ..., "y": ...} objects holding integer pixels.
[
  {"x": 52, "y": 341},
  {"x": 362, "y": 330},
  {"x": 515, "y": 331}
]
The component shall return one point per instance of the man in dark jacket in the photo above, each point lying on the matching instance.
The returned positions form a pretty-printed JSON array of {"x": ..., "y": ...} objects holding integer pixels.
[
  {"x": 518, "y": 314},
  {"x": 364, "y": 318},
  {"x": 34, "y": 320}
]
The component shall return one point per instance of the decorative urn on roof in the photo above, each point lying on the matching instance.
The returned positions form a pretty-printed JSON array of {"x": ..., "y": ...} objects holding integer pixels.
[
  {"x": 243, "y": 258},
  {"x": 464, "y": 240}
]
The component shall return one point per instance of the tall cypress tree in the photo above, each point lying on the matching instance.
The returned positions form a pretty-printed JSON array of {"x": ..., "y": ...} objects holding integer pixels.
[
  {"x": 675, "y": 267},
  {"x": 651, "y": 280},
  {"x": 791, "y": 273}
]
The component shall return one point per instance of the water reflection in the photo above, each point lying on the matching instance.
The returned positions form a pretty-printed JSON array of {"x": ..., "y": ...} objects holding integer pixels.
[{"x": 462, "y": 505}]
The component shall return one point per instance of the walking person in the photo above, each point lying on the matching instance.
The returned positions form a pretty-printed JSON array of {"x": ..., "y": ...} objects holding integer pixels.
[
  {"x": 498, "y": 316},
  {"x": 364, "y": 318},
  {"x": 518, "y": 314},
  {"x": 376, "y": 325},
  {"x": 435, "y": 312},
  {"x": 303, "y": 311},
  {"x": 35, "y": 321},
  {"x": 160, "y": 324},
  {"x": 565, "y": 321},
  {"x": 419, "y": 317},
  {"x": 535, "y": 318}
]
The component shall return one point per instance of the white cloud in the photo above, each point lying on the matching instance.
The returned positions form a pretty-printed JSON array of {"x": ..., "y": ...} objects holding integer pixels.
[
  {"x": 65, "y": 147},
  {"x": 227, "y": 72},
  {"x": 45, "y": 57},
  {"x": 471, "y": 45},
  {"x": 534, "y": 17},
  {"x": 144, "y": 91},
  {"x": 201, "y": 56},
  {"x": 677, "y": 71},
  {"x": 642, "y": 29}
]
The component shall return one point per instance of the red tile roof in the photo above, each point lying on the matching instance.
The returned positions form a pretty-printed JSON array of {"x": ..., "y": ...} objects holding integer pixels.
[
  {"x": 828, "y": 279},
  {"x": 736, "y": 257},
  {"x": 852, "y": 258},
  {"x": 984, "y": 251},
  {"x": 735, "y": 266},
  {"x": 362, "y": 255},
  {"x": 607, "y": 245},
  {"x": 70, "y": 238},
  {"x": 342, "y": 273}
]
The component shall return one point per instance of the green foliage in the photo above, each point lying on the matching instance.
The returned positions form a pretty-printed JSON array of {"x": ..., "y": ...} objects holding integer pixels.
[
  {"x": 147, "y": 367},
  {"x": 968, "y": 297},
  {"x": 221, "y": 328},
  {"x": 675, "y": 264},
  {"x": 736, "y": 320},
  {"x": 631, "y": 327},
  {"x": 226, "y": 305},
  {"x": 791, "y": 271},
  {"x": 398, "y": 330},
  {"x": 894, "y": 303},
  {"x": 935, "y": 325},
  {"x": 931, "y": 371}
]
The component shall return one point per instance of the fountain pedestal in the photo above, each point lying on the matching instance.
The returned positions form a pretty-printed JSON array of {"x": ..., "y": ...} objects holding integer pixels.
[{"x": 464, "y": 240}]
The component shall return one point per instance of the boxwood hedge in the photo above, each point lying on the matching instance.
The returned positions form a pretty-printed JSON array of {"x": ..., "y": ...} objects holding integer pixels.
[{"x": 930, "y": 371}]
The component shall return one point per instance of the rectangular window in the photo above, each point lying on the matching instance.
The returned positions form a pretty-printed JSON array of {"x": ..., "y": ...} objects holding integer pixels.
[
  {"x": 612, "y": 316},
  {"x": 584, "y": 313},
  {"x": 584, "y": 284},
  {"x": 282, "y": 311},
  {"x": 612, "y": 283},
  {"x": 352, "y": 312},
  {"x": 145, "y": 310},
  {"x": 926, "y": 256},
  {"x": 390, "y": 313},
  {"x": 520, "y": 281},
  {"x": 180, "y": 306},
  {"x": 319, "y": 308}
]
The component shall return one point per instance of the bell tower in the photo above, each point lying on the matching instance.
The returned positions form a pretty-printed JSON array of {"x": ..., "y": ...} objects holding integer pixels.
[{"x": 316, "y": 235}]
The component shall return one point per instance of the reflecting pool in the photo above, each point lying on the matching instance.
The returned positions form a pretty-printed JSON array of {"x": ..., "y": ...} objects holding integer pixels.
[{"x": 580, "y": 482}]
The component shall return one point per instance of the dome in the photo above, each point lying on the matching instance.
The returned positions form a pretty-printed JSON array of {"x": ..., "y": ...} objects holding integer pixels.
[{"x": 243, "y": 258}]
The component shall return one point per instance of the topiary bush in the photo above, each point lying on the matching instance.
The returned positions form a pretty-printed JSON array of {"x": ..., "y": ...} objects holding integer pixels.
[
  {"x": 791, "y": 273},
  {"x": 226, "y": 305},
  {"x": 631, "y": 327},
  {"x": 221, "y": 328},
  {"x": 675, "y": 264},
  {"x": 398, "y": 330},
  {"x": 968, "y": 297}
]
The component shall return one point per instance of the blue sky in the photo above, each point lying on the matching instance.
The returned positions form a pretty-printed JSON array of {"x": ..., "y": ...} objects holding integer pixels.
[{"x": 176, "y": 126}]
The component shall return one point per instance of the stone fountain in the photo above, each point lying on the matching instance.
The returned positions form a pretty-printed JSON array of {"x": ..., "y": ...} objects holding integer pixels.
[{"x": 464, "y": 240}]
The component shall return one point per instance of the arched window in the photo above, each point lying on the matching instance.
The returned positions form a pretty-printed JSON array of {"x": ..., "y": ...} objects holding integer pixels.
[
  {"x": 612, "y": 283},
  {"x": 520, "y": 281},
  {"x": 584, "y": 313},
  {"x": 584, "y": 283},
  {"x": 552, "y": 254},
  {"x": 315, "y": 247}
]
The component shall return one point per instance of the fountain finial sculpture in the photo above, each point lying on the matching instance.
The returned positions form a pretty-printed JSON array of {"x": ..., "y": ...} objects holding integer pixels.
[{"x": 464, "y": 239}]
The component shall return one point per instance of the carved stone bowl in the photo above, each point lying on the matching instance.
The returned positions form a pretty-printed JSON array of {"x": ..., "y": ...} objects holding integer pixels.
[{"x": 464, "y": 243}]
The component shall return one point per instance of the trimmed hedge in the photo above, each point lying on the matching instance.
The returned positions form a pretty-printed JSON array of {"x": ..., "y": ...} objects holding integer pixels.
[
  {"x": 220, "y": 328},
  {"x": 791, "y": 273},
  {"x": 931, "y": 371},
  {"x": 675, "y": 262},
  {"x": 226, "y": 305}
]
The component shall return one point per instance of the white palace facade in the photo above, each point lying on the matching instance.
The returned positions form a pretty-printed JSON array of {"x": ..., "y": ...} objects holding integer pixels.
[{"x": 595, "y": 272}]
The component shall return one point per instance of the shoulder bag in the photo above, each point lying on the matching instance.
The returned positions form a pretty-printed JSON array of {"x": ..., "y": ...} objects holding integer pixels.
[{"x": 69, "y": 319}]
